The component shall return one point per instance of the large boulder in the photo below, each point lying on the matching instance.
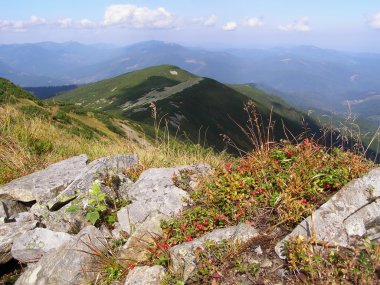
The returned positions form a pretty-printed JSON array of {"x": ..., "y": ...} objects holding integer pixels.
[
  {"x": 183, "y": 255},
  {"x": 352, "y": 213},
  {"x": 32, "y": 245},
  {"x": 155, "y": 191},
  {"x": 111, "y": 165},
  {"x": 145, "y": 275},
  {"x": 137, "y": 247},
  {"x": 72, "y": 263},
  {"x": 8, "y": 233},
  {"x": 44, "y": 185}
]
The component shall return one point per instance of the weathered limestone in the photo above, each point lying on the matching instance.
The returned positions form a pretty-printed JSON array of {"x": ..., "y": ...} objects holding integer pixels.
[
  {"x": 145, "y": 275},
  {"x": 183, "y": 257},
  {"x": 114, "y": 165},
  {"x": 45, "y": 184},
  {"x": 8, "y": 233},
  {"x": 71, "y": 263},
  {"x": 351, "y": 213},
  {"x": 32, "y": 245},
  {"x": 9, "y": 208},
  {"x": 60, "y": 221},
  {"x": 136, "y": 248},
  {"x": 154, "y": 191}
]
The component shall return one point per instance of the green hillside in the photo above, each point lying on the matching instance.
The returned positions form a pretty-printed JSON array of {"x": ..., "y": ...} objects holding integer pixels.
[
  {"x": 197, "y": 108},
  {"x": 34, "y": 133}
]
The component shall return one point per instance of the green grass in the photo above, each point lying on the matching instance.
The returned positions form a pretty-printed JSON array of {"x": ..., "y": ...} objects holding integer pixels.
[{"x": 100, "y": 94}]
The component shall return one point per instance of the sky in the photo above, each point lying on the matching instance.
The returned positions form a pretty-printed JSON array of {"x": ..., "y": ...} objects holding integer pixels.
[{"x": 351, "y": 25}]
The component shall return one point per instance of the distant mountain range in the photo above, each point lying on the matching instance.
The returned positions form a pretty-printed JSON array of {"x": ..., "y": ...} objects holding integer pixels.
[{"x": 304, "y": 76}]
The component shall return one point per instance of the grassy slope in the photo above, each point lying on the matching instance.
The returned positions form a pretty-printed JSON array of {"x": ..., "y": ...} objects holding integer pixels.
[
  {"x": 34, "y": 134},
  {"x": 102, "y": 93},
  {"x": 207, "y": 107}
]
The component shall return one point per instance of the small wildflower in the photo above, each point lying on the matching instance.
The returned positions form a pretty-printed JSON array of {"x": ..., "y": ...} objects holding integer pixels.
[
  {"x": 228, "y": 166},
  {"x": 303, "y": 201},
  {"x": 200, "y": 227},
  {"x": 183, "y": 226},
  {"x": 131, "y": 266},
  {"x": 189, "y": 238},
  {"x": 165, "y": 245},
  {"x": 216, "y": 275}
]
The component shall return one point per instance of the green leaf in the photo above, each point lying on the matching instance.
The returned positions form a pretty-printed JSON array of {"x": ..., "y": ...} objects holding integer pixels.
[
  {"x": 93, "y": 217},
  {"x": 95, "y": 189},
  {"x": 91, "y": 201},
  {"x": 101, "y": 197},
  {"x": 73, "y": 208}
]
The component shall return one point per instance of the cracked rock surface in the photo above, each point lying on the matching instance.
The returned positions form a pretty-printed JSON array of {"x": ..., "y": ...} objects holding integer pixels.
[{"x": 351, "y": 213}]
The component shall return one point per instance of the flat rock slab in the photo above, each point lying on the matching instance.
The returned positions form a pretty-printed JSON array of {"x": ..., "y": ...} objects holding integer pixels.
[
  {"x": 351, "y": 213},
  {"x": 71, "y": 263},
  {"x": 145, "y": 275},
  {"x": 139, "y": 243},
  {"x": 45, "y": 184},
  {"x": 8, "y": 233},
  {"x": 32, "y": 245},
  {"x": 114, "y": 165},
  {"x": 154, "y": 191},
  {"x": 183, "y": 257}
]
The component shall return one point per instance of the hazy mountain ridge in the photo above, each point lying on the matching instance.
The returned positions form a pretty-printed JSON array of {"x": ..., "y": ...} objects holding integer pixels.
[{"x": 305, "y": 76}]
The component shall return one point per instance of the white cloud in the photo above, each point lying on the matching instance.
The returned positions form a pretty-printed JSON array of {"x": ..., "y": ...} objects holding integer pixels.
[
  {"x": 21, "y": 25},
  {"x": 71, "y": 23},
  {"x": 301, "y": 25},
  {"x": 12, "y": 25},
  {"x": 65, "y": 22},
  {"x": 138, "y": 17},
  {"x": 207, "y": 22},
  {"x": 86, "y": 23},
  {"x": 253, "y": 22},
  {"x": 375, "y": 21},
  {"x": 230, "y": 26}
]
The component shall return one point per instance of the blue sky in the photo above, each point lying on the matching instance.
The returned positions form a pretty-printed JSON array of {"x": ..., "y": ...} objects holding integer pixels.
[{"x": 345, "y": 25}]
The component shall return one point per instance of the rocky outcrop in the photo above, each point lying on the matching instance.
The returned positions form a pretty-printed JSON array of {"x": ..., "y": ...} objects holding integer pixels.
[
  {"x": 8, "y": 233},
  {"x": 154, "y": 191},
  {"x": 145, "y": 275},
  {"x": 61, "y": 220},
  {"x": 72, "y": 263},
  {"x": 351, "y": 213},
  {"x": 183, "y": 256},
  {"x": 32, "y": 245},
  {"x": 143, "y": 238},
  {"x": 45, "y": 184},
  {"x": 112, "y": 165}
]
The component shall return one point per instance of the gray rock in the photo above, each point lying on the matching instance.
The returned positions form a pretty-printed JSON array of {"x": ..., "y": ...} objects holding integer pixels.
[
  {"x": 138, "y": 244},
  {"x": 45, "y": 184},
  {"x": 8, "y": 233},
  {"x": 9, "y": 208},
  {"x": 351, "y": 213},
  {"x": 32, "y": 245},
  {"x": 61, "y": 220},
  {"x": 3, "y": 211},
  {"x": 145, "y": 275},
  {"x": 114, "y": 165},
  {"x": 23, "y": 217},
  {"x": 154, "y": 191},
  {"x": 183, "y": 257},
  {"x": 72, "y": 263}
]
